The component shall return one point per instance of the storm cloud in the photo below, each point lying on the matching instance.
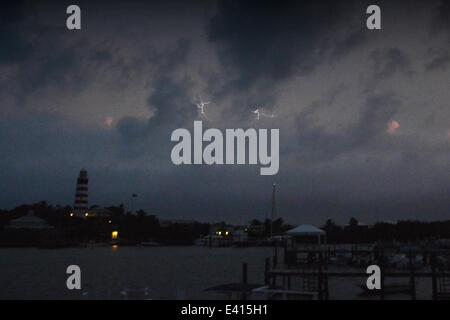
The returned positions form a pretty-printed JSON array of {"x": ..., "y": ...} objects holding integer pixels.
[{"x": 363, "y": 115}]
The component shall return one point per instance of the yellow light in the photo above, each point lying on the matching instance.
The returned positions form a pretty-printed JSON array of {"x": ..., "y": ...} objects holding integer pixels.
[
  {"x": 226, "y": 233},
  {"x": 86, "y": 214},
  {"x": 219, "y": 233},
  {"x": 114, "y": 235}
]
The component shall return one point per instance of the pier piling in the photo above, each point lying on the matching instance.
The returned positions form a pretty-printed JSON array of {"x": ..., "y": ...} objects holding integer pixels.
[
  {"x": 244, "y": 273},
  {"x": 433, "y": 276},
  {"x": 266, "y": 271},
  {"x": 412, "y": 279}
]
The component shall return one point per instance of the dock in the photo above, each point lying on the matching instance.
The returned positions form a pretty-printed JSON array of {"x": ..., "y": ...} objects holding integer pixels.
[{"x": 307, "y": 270}]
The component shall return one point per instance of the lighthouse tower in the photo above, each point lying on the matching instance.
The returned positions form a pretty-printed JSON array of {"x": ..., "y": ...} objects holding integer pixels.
[{"x": 81, "y": 195}]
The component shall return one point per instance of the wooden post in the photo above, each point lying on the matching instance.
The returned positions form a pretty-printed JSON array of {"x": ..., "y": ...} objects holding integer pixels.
[
  {"x": 353, "y": 252},
  {"x": 326, "y": 288},
  {"x": 433, "y": 275},
  {"x": 289, "y": 282},
  {"x": 412, "y": 279},
  {"x": 244, "y": 279},
  {"x": 328, "y": 254},
  {"x": 266, "y": 272},
  {"x": 382, "y": 274},
  {"x": 275, "y": 257},
  {"x": 320, "y": 278},
  {"x": 244, "y": 273}
]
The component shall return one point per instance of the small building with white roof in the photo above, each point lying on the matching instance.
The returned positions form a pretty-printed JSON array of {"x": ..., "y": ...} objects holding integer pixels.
[
  {"x": 30, "y": 222},
  {"x": 307, "y": 234}
]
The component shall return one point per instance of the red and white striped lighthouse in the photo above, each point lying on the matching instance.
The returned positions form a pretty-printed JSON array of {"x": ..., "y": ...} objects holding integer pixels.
[{"x": 81, "y": 195}]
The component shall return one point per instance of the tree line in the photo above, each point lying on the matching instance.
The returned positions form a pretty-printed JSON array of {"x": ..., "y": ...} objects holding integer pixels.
[{"x": 142, "y": 226}]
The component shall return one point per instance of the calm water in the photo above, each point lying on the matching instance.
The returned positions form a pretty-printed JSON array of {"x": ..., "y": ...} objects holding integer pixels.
[{"x": 40, "y": 273}]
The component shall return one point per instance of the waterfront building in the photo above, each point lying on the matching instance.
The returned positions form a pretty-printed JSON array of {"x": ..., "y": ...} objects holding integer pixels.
[
  {"x": 240, "y": 235},
  {"x": 30, "y": 222},
  {"x": 307, "y": 234},
  {"x": 100, "y": 212}
]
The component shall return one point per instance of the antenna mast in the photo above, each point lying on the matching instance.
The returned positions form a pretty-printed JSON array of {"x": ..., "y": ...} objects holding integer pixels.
[{"x": 272, "y": 217}]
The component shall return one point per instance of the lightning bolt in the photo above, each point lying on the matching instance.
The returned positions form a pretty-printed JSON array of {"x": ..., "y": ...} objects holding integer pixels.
[
  {"x": 260, "y": 114},
  {"x": 201, "y": 107}
]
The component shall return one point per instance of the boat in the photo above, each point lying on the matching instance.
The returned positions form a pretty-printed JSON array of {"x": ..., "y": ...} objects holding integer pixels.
[{"x": 280, "y": 293}]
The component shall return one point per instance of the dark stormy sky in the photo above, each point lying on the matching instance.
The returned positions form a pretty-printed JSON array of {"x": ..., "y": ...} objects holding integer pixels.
[{"x": 364, "y": 116}]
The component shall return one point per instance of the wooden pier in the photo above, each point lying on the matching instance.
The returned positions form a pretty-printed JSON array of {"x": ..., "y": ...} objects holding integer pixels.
[{"x": 313, "y": 274}]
